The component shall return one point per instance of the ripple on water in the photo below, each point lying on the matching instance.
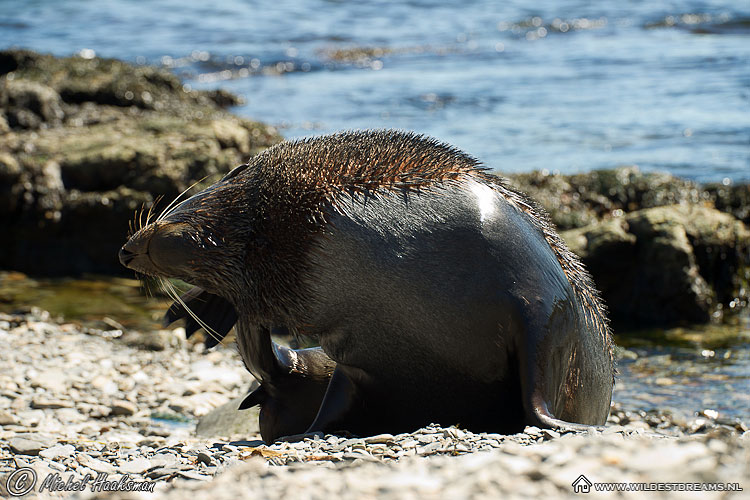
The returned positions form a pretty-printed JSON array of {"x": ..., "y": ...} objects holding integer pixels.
[{"x": 704, "y": 368}]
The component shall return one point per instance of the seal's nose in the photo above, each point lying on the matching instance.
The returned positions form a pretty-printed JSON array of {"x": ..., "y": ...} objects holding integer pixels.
[{"x": 126, "y": 256}]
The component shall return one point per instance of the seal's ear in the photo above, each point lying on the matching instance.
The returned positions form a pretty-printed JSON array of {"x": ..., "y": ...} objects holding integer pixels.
[
  {"x": 235, "y": 171},
  {"x": 255, "y": 398},
  {"x": 213, "y": 310}
]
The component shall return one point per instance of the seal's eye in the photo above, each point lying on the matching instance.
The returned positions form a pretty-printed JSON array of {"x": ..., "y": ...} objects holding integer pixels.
[{"x": 234, "y": 172}]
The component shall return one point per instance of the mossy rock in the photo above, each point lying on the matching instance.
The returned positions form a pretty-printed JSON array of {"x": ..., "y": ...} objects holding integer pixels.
[
  {"x": 667, "y": 265},
  {"x": 87, "y": 142},
  {"x": 582, "y": 199}
]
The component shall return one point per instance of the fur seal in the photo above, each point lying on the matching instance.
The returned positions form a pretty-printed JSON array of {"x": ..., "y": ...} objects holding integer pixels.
[{"x": 437, "y": 292}]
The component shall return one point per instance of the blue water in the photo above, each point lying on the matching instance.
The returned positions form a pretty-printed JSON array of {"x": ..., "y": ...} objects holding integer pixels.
[{"x": 564, "y": 85}]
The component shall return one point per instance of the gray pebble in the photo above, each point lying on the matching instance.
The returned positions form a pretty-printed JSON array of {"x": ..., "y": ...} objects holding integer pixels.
[
  {"x": 50, "y": 404},
  {"x": 164, "y": 460},
  {"x": 25, "y": 446},
  {"x": 58, "y": 451},
  {"x": 550, "y": 434},
  {"x": 162, "y": 472},
  {"x": 6, "y": 418},
  {"x": 429, "y": 448},
  {"x": 380, "y": 438},
  {"x": 188, "y": 474},
  {"x": 96, "y": 464},
  {"x": 123, "y": 408},
  {"x": 135, "y": 466},
  {"x": 205, "y": 458},
  {"x": 409, "y": 443}
]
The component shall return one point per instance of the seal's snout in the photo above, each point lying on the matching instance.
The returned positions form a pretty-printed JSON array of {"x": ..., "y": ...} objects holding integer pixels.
[
  {"x": 134, "y": 254},
  {"x": 126, "y": 256},
  {"x": 136, "y": 246},
  {"x": 162, "y": 249}
]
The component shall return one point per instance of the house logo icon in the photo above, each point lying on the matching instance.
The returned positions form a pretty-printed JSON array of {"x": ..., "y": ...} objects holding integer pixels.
[{"x": 581, "y": 485}]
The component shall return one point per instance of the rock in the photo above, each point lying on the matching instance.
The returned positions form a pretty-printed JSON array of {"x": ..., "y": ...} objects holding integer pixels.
[
  {"x": 58, "y": 451},
  {"x": 28, "y": 445},
  {"x": 230, "y": 135},
  {"x": 104, "y": 384},
  {"x": 205, "y": 458},
  {"x": 162, "y": 473},
  {"x": 95, "y": 464},
  {"x": 532, "y": 431},
  {"x": 228, "y": 420},
  {"x": 164, "y": 460},
  {"x": 95, "y": 139},
  {"x": 10, "y": 175},
  {"x": 666, "y": 265},
  {"x": 550, "y": 434},
  {"x": 7, "y": 418},
  {"x": 158, "y": 340},
  {"x": 123, "y": 408},
  {"x": 52, "y": 380},
  {"x": 29, "y": 104},
  {"x": 135, "y": 466},
  {"x": 188, "y": 474},
  {"x": 734, "y": 199},
  {"x": 582, "y": 199},
  {"x": 50, "y": 404},
  {"x": 380, "y": 438}
]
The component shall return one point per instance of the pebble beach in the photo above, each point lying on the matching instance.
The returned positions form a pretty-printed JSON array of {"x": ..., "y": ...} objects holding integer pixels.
[{"x": 78, "y": 401}]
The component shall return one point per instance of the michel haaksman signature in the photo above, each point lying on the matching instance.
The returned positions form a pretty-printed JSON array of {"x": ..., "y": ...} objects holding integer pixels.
[{"x": 23, "y": 480}]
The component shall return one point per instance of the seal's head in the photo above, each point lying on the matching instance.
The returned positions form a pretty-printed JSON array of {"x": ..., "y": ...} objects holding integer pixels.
[{"x": 202, "y": 240}]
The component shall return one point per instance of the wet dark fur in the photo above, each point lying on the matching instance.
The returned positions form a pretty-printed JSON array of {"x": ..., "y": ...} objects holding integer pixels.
[{"x": 256, "y": 234}]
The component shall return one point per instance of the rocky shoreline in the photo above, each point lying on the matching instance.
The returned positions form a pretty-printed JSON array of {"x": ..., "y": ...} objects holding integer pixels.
[
  {"x": 86, "y": 142},
  {"x": 77, "y": 400}
]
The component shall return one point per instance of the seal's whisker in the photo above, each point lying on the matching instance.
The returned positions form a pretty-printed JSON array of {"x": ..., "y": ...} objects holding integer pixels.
[
  {"x": 149, "y": 284},
  {"x": 140, "y": 216},
  {"x": 143, "y": 279},
  {"x": 134, "y": 223},
  {"x": 209, "y": 331},
  {"x": 170, "y": 290},
  {"x": 151, "y": 208},
  {"x": 148, "y": 214},
  {"x": 172, "y": 206}
]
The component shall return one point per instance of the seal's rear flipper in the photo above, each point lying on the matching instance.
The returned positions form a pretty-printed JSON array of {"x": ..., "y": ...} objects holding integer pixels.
[
  {"x": 214, "y": 311},
  {"x": 339, "y": 405},
  {"x": 543, "y": 419}
]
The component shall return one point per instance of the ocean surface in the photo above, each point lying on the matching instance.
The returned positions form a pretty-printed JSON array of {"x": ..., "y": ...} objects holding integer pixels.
[{"x": 562, "y": 85}]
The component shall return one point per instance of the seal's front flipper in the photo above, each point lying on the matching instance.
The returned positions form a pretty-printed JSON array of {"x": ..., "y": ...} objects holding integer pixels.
[
  {"x": 340, "y": 403},
  {"x": 214, "y": 311},
  {"x": 255, "y": 398}
]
